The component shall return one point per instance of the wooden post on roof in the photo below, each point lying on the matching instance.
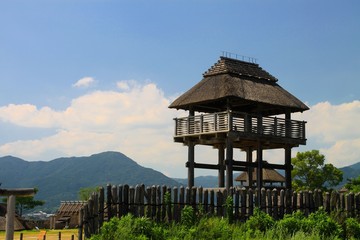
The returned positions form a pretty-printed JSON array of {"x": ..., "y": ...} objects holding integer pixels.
[
  {"x": 10, "y": 212},
  {"x": 221, "y": 157}
]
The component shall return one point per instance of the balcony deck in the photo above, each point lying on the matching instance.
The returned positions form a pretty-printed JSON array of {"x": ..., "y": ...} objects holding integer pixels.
[{"x": 245, "y": 129}]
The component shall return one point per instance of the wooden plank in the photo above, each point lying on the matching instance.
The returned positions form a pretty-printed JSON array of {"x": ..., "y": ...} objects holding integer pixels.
[{"x": 19, "y": 192}]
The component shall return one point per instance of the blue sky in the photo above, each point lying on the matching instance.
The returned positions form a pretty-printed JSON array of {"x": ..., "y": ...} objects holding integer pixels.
[{"x": 75, "y": 74}]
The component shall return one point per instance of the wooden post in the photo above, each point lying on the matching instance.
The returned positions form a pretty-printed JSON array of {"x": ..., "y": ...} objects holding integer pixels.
[
  {"x": 212, "y": 201},
  {"x": 221, "y": 159},
  {"x": 108, "y": 201},
  {"x": 269, "y": 202},
  {"x": 250, "y": 201},
  {"x": 250, "y": 169},
  {"x": 243, "y": 195},
  {"x": 10, "y": 217},
  {"x": 10, "y": 214},
  {"x": 101, "y": 206},
  {"x": 288, "y": 167},
  {"x": 275, "y": 203},
  {"x": 80, "y": 228},
  {"x": 158, "y": 203},
  {"x": 237, "y": 201},
  {"x": 176, "y": 205},
  {"x": 191, "y": 153},
  {"x": 259, "y": 176},
  {"x": 206, "y": 201},
  {"x": 229, "y": 163},
  {"x": 191, "y": 164}
]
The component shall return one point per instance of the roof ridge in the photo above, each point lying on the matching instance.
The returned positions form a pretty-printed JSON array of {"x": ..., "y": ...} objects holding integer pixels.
[{"x": 238, "y": 67}]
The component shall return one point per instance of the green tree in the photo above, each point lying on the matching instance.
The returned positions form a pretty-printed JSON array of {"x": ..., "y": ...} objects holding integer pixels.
[
  {"x": 85, "y": 193},
  {"x": 25, "y": 203},
  {"x": 311, "y": 172},
  {"x": 353, "y": 184}
]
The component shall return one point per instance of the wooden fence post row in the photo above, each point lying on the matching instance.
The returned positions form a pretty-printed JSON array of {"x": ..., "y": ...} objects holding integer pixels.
[{"x": 162, "y": 203}]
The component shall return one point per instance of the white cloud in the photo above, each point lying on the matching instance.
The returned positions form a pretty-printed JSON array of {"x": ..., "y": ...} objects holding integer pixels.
[
  {"x": 334, "y": 130},
  {"x": 84, "y": 82},
  {"x": 135, "y": 120}
]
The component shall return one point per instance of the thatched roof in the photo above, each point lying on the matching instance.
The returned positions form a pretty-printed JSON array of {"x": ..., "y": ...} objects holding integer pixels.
[
  {"x": 70, "y": 207},
  {"x": 269, "y": 175},
  {"x": 243, "y": 86},
  {"x": 17, "y": 223}
]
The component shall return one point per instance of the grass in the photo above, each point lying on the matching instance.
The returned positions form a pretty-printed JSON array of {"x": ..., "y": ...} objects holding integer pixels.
[{"x": 50, "y": 234}]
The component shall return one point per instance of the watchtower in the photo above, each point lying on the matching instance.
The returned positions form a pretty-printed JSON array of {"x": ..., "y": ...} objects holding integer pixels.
[{"x": 238, "y": 105}]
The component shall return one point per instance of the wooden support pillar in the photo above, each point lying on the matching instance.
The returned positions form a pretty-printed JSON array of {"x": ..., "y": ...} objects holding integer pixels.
[
  {"x": 191, "y": 164},
  {"x": 191, "y": 157},
  {"x": 221, "y": 175},
  {"x": 249, "y": 169},
  {"x": 10, "y": 217},
  {"x": 229, "y": 163},
  {"x": 288, "y": 167},
  {"x": 10, "y": 211},
  {"x": 259, "y": 175}
]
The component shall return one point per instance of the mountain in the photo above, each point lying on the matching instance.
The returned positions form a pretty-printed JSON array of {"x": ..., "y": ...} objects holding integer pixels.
[
  {"x": 204, "y": 181},
  {"x": 60, "y": 179},
  {"x": 352, "y": 171}
]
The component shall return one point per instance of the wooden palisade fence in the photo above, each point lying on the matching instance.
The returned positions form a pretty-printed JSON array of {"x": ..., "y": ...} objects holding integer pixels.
[{"x": 162, "y": 203}]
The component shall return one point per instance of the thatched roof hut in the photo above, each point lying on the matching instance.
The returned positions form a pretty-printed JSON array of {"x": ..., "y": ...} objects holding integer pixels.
[
  {"x": 18, "y": 225},
  {"x": 244, "y": 86},
  {"x": 67, "y": 215},
  {"x": 269, "y": 176}
]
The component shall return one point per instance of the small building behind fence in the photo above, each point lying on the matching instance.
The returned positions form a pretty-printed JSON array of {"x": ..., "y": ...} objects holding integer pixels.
[{"x": 67, "y": 216}]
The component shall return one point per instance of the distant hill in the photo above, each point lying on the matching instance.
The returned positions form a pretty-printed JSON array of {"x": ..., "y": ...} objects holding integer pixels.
[
  {"x": 352, "y": 171},
  {"x": 61, "y": 179}
]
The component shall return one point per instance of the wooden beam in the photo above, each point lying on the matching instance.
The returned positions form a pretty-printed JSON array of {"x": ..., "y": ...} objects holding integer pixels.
[
  {"x": 206, "y": 166},
  {"x": 19, "y": 192}
]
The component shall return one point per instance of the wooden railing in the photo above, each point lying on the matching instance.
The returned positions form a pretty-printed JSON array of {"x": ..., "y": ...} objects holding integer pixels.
[{"x": 239, "y": 122}]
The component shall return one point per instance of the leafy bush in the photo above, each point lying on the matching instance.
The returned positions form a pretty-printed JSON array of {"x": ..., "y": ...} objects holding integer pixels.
[
  {"x": 260, "y": 221},
  {"x": 321, "y": 222},
  {"x": 291, "y": 223},
  {"x": 352, "y": 229},
  {"x": 188, "y": 217}
]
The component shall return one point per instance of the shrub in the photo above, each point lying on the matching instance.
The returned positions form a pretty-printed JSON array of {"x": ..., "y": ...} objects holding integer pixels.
[
  {"x": 321, "y": 222},
  {"x": 229, "y": 209},
  {"x": 291, "y": 223},
  {"x": 213, "y": 228},
  {"x": 352, "y": 228},
  {"x": 260, "y": 221},
  {"x": 188, "y": 217}
]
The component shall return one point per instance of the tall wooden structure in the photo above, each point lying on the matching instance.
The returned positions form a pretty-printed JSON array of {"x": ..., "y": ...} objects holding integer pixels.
[{"x": 238, "y": 105}]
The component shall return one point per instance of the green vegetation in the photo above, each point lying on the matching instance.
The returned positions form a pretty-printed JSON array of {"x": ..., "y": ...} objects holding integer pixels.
[
  {"x": 318, "y": 225},
  {"x": 310, "y": 172},
  {"x": 25, "y": 203},
  {"x": 85, "y": 193},
  {"x": 353, "y": 184}
]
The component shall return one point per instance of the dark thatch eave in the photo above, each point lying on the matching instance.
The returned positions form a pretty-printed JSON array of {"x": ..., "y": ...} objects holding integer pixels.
[
  {"x": 269, "y": 175},
  {"x": 225, "y": 86}
]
